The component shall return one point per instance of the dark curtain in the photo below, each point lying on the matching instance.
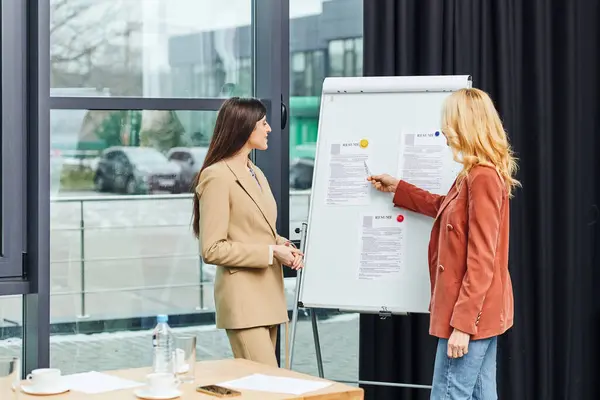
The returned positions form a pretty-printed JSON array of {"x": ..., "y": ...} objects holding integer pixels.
[{"x": 539, "y": 62}]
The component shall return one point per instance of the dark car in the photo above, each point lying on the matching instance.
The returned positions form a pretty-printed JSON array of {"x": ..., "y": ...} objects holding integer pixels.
[
  {"x": 190, "y": 161},
  {"x": 135, "y": 170},
  {"x": 301, "y": 173}
]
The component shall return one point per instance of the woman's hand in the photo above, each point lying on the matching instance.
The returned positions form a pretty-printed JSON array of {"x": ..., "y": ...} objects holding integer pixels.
[
  {"x": 298, "y": 258},
  {"x": 384, "y": 183},
  {"x": 298, "y": 262},
  {"x": 458, "y": 344},
  {"x": 287, "y": 255}
]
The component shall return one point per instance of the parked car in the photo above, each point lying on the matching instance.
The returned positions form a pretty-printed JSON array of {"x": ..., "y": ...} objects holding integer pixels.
[
  {"x": 190, "y": 160},
  {"x": 134, "y": 170},
  {"x": 301, "y": 173}
]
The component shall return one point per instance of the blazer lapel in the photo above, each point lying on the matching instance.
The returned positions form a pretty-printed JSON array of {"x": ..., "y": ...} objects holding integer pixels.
[
  {"x": 252, "y": 188},
  {"x": 454, "y": 190}
]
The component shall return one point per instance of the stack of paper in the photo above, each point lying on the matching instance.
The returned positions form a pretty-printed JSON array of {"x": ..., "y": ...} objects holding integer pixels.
[
  {"x": 96, "y": 382},
  {"x": 275, "y": 384}
]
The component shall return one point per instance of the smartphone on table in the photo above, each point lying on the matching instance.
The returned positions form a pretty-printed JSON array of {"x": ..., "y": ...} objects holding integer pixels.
[{"x": 218, "y": 391}]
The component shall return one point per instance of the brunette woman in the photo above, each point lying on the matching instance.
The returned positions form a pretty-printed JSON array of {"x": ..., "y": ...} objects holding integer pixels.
[{"x": 235, "y": 217}]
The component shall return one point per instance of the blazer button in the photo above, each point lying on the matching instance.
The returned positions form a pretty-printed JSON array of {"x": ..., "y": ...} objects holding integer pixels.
[
  {"x": 449, "y": 227},
  {"x": 441, "y": 267}
]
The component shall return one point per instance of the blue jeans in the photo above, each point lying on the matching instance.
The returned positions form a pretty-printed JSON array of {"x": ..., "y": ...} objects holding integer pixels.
[{"x": 471, "y": 377}]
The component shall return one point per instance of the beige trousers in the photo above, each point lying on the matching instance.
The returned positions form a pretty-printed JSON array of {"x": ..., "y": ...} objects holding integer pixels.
[{"x": 255, "y": 344}]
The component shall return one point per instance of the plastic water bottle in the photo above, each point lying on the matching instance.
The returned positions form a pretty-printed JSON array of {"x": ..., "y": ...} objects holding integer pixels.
[{"x": 162, "y": 343}]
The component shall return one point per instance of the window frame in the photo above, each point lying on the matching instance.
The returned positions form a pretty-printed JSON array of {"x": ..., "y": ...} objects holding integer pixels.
[{"x": 13, "y": 104}]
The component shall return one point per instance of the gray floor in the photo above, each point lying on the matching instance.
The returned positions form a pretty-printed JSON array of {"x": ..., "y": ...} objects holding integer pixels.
[{"x": 110, "y": 351}]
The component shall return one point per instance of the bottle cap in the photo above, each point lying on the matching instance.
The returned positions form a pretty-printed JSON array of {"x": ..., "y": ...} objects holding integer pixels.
[{"x": 162, "y": 318}]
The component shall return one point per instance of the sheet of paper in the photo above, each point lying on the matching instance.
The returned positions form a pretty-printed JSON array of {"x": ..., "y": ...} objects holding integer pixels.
[
  {"x": 382, "y": 247},
  {"x": 422, "y": 160},
  {"x": 347, "y": 183},
  {"x": 275, "y": 384},
  {"x": 96, "y": 382}
]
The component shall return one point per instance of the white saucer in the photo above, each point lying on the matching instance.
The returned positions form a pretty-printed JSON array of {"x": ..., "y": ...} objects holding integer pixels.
[
  {"x": 58, "y": 389},
  {"x": 148, "y": 394}
]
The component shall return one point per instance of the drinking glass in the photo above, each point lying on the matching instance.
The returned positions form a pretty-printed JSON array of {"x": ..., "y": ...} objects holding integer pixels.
[
  {"x": 185, "y": 357},
  {"x": 10, "y": 381}
]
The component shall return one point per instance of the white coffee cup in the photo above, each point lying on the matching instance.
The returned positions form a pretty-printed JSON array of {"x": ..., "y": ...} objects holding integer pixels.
[
  {"x": 161, "y": 382},
  {"x": 44, "y": 378}
]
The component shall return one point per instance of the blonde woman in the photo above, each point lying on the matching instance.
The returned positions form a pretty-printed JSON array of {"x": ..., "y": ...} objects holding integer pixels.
[{"x": 472, "y": 297}]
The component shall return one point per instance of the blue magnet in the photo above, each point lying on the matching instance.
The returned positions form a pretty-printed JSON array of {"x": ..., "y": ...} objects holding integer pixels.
[{"x": 437, "y": 133}]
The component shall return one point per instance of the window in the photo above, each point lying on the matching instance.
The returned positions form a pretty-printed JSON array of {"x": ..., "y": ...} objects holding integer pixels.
[
  {"x": 345, "y": 57},
  {"x": 297, "y": 74},
  {"x": 245, "y": 72},
  {"x": 11, "y": 326},
  {"x": 336, "y": 58},
  {"x": 122, "y": 245},
  {"x": 148, "y": 48},
  {"x": 118, "y": 263},
  {"x": 142, "y": 78},
  {"x": 325, "y": 40},
  {"x": 307, "y": 73}
]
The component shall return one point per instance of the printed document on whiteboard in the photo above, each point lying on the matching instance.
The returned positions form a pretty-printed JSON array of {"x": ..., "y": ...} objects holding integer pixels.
[
  {"x": 423, "y": 161},
  {"x": 347, "y": 183},
  {"x": 381, "y": 247}
]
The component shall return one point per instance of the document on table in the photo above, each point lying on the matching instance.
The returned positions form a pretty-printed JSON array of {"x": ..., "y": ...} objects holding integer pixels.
[
  {"x": 347, "y": 183},
  {"x": 382, "y": 247},
  {"x": 422, "y": 160},
  {"x": 96, "y": 382},
  {"x": 275, "y": 384}
]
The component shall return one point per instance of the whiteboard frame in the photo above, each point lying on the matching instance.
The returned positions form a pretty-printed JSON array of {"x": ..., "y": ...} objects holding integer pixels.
[{"x": 378, "y": 84}]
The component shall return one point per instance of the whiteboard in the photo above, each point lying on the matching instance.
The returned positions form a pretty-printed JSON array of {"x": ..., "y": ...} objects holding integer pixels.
[{"x": 386, "y": 112}]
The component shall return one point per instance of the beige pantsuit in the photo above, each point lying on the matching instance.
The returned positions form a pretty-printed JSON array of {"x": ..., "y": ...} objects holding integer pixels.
[
  {"x": 256, "y": 344},
  {"x": 237, "y": 225}
]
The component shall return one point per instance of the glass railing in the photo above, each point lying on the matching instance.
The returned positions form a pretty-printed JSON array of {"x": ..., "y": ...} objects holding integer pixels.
[{"x": 106, "y": 250}]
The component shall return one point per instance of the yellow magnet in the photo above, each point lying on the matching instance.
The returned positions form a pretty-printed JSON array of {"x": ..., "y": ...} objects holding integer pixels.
[{"x": 364, "y": 143}]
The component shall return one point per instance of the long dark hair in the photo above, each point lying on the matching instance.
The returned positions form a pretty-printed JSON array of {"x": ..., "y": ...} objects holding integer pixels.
[{"x": 236, "y": 121}]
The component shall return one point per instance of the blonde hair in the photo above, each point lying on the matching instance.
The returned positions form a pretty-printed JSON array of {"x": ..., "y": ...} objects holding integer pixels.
[{"x": 475, "y": 134}]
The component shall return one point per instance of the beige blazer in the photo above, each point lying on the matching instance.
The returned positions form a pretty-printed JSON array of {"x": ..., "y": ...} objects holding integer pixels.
[{"x": 237, "y": 225}]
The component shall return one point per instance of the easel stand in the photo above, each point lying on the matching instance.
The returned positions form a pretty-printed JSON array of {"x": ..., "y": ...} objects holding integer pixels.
[
  {"x": 313, "y": 315},
  {"x": 383, "y": 314}
]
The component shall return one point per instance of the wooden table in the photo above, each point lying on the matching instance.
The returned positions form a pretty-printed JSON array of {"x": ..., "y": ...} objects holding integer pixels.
[{"x": 212, "y": 372}]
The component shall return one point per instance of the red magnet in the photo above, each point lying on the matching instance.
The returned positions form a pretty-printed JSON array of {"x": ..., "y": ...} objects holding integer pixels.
[{"x": 400, "y": 218}]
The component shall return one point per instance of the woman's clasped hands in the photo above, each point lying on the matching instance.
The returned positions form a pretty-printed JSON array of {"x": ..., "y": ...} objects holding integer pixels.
[{"x": 289, "y": 255}]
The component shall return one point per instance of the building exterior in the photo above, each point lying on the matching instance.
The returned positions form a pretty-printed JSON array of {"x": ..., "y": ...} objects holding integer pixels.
[{"x": 218, "y": 63}]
